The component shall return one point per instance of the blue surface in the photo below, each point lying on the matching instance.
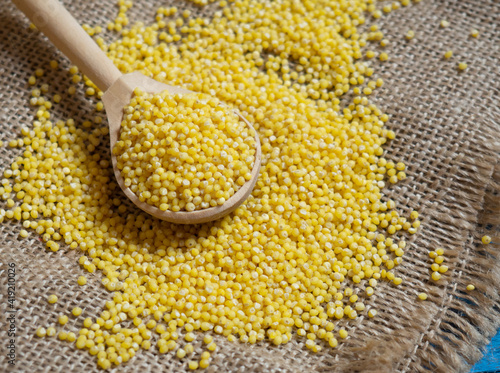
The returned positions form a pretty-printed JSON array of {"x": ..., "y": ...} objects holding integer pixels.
[{"x": 491, "y": 360}]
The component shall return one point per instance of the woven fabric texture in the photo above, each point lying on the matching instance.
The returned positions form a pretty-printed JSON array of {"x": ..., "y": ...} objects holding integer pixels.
[{"x": 447, "y": 124}]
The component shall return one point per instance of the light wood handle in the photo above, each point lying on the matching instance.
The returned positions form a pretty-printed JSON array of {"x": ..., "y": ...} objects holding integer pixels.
[{"x": 50, "y": 17}]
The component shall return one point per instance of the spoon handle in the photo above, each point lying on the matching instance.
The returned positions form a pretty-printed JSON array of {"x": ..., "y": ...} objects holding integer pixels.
[{"x": 51, "y": 18}]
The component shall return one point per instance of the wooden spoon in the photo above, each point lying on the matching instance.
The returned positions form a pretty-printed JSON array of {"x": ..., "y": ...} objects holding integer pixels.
[{"x": 50, "y": 17}]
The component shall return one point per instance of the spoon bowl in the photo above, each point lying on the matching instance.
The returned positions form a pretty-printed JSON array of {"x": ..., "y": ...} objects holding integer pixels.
[
  {"x": 63, "y": 30},
  {"x": 115, "y": 99}
]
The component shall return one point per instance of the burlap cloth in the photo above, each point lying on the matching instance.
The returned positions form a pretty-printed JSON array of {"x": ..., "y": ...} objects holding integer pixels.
[{"x": 447, "y": 124}]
